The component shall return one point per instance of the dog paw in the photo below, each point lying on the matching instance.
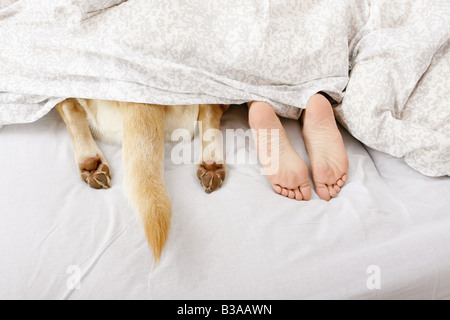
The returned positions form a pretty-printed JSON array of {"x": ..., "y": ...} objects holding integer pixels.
[
  {"x": 211, "y": 175},
  {"x": 95, "y": 173}
]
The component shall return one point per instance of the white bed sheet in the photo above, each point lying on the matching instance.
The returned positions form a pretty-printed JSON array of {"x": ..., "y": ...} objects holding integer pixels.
[{"x": 243, "y": 242}]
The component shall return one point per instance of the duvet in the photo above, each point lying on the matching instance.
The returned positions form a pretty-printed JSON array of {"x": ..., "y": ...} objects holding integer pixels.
[{"x": 385, "y": 63}]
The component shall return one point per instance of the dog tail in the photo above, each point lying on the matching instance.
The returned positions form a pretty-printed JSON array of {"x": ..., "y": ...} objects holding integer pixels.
[{"x": 143, "y": 154}]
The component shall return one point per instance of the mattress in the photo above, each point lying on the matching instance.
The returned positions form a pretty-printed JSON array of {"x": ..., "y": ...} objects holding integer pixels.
[{"x": 386, "y": 236}]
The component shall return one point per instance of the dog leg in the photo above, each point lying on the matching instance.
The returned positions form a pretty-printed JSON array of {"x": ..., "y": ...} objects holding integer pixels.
[
  {"x": 212, "y": 170},
  {"x": 143, "y": 152},
  {"x": 92, "y": 165}
]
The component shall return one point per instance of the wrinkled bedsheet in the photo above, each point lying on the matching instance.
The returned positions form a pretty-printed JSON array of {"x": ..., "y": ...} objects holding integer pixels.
[
  {"x": 395, "y": 99},
  {"x": 241, "y": 242}
]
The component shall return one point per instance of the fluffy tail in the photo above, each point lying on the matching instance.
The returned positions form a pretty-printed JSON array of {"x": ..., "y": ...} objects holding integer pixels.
[{"x": 143, "y": 153}]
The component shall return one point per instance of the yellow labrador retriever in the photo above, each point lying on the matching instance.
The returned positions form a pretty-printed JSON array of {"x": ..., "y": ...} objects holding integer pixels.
[{"x": 142, "y": 130}]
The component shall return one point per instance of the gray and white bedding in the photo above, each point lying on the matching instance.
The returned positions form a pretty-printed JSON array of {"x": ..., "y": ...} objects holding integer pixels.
[
  {"x": 386, "y": 236},
  {"x": 386, "y": 63}
]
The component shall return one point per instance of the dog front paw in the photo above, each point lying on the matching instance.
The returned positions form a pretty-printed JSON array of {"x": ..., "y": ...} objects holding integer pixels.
[
  {"x": 211, "y": 175},
  {"x": 95, "y": 173}
]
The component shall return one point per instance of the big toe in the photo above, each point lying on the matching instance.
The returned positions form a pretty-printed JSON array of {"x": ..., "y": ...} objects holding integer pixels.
[
  {"x": 305, "y": 191},
  {"x": 323, "y": 191},
  {"x": 328, "y": 191}
]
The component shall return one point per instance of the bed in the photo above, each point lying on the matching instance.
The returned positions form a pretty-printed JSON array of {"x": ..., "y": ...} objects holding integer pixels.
[
  {"x": 386, "y": 65},
  {"x": 386, "y": 236}
]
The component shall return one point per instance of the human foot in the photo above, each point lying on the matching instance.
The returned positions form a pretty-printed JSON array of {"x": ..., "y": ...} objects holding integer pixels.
[
  {"x": 285, "y": 169},
  {"x": 329, "y": 162}
]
